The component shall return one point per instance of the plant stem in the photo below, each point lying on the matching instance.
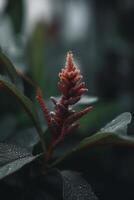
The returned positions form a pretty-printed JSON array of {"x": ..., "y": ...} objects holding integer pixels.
[
  {"x": 40, "y": 133},
  {"x": 62, "y": 157}
]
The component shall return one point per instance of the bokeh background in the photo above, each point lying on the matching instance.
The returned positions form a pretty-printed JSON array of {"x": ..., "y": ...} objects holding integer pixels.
[{"x": 36, "y": 34}]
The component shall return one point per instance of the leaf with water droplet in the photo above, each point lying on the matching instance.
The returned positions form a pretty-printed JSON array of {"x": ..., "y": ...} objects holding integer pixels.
[
  {"x": 76, "y": 187},
  {"x": 26, "y": 137},
  {"x": 112, "y": 134},
  {"x": 27, "y": 105},
  {"x": 12, "y": 158},
  {"x": 119, "y": 124},
  {"x": 9, "y": 67}
]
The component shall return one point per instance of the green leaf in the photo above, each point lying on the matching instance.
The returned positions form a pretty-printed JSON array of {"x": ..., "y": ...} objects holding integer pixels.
[
  {"x": 111, "y": 134},
  {"x": 105, "y": 139},
  {"x": 12, "y": 158},
  {"x": 15, "y": 165},
  {"x": 28, "y": 138},
  {"x": 101, "y": 113},
  {"x": 6, "y": 131},
  {"x": 25, "y": 102},
  {"x": 119, "y": 124},
  {"x": 15, "y": 10},
  {"x": 98, "y": 139},
  {"x": 36, "y": 56},
  {"x": 76, "y": 187},
  {"x": 6, "y": 63},
  {"x": 87, "y": 100}
]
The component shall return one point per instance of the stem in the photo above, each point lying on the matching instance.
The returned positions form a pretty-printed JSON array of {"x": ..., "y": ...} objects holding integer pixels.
[
  {"x": 40, "y": 133},
  {"x": 62, "y": 158},
  {"x": 49, "y": 153}
]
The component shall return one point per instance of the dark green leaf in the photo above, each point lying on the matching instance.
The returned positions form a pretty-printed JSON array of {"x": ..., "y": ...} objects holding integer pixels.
[
  {"x": 97, "y": 140},
  {"x": 119, "y": 124},
  {"x": 14, "y": 9},
  {"x": 8, "y": 66},
  {"x": 113, "y": 134},
  {"x": 14, "y": 166},
  {"x": 76, "y": 187},
  {"x": 26, "y": 137},
  {"x": 12, "y": 158},
  {"x": 101, "y": 113},
  {"x": 6, "y": 131},
  {"x": 25, "y": 102},
  {"x": 10, "y": 152},
  {"x": 105, "y": 139},
  {"x": 36, "y": 56}
]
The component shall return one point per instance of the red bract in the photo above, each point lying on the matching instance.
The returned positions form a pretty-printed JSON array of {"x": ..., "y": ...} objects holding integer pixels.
[{"x": 63, "y": 120}]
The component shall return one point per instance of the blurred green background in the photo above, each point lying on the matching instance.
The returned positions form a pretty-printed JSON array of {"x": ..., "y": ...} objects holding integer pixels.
[{"x": 36, "y": 34}]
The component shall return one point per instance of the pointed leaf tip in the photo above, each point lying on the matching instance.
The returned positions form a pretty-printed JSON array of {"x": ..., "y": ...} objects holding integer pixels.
[{"x": 119, "y": 124}]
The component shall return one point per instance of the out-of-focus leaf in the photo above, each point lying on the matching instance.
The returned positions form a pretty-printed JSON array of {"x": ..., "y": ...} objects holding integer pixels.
[
  {"x": 6, "y": 131},
  {"x": 12, "y": 158},
  {"x": 24, "y": 77},
  {"x": 119, "y": 124},
  {"x": 76, "y": 187},
  {"x": 25, "y": 102},
  {"x": 101, "y": 113},
  {"x": 26, "y": 137},
  {"x": 47, "y": 138},
  {"x": 115, "y": 137},
  {"x": 36, "y": 56},
  {"x": 14, "y": 9},
  {"x": 8, "y": 66},
  {"x": 86, "y": 100}
]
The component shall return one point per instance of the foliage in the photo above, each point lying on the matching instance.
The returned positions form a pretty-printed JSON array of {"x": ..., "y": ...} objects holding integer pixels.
[{"x": 61, "y": 123}]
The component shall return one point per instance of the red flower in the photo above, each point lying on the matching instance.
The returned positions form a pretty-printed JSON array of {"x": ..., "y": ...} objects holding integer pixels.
[{"x": 63, "y": 120}]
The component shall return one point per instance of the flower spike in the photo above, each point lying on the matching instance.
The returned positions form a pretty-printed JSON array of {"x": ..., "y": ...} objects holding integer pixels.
[{"x": 63, "y": 120}]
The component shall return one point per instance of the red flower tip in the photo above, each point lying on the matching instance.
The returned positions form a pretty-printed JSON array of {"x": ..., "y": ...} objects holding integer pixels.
[
  {"x": 70, "y": 62},
  {"x": 70, "y": 79},
  {"x": 38, "y": 93}
]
